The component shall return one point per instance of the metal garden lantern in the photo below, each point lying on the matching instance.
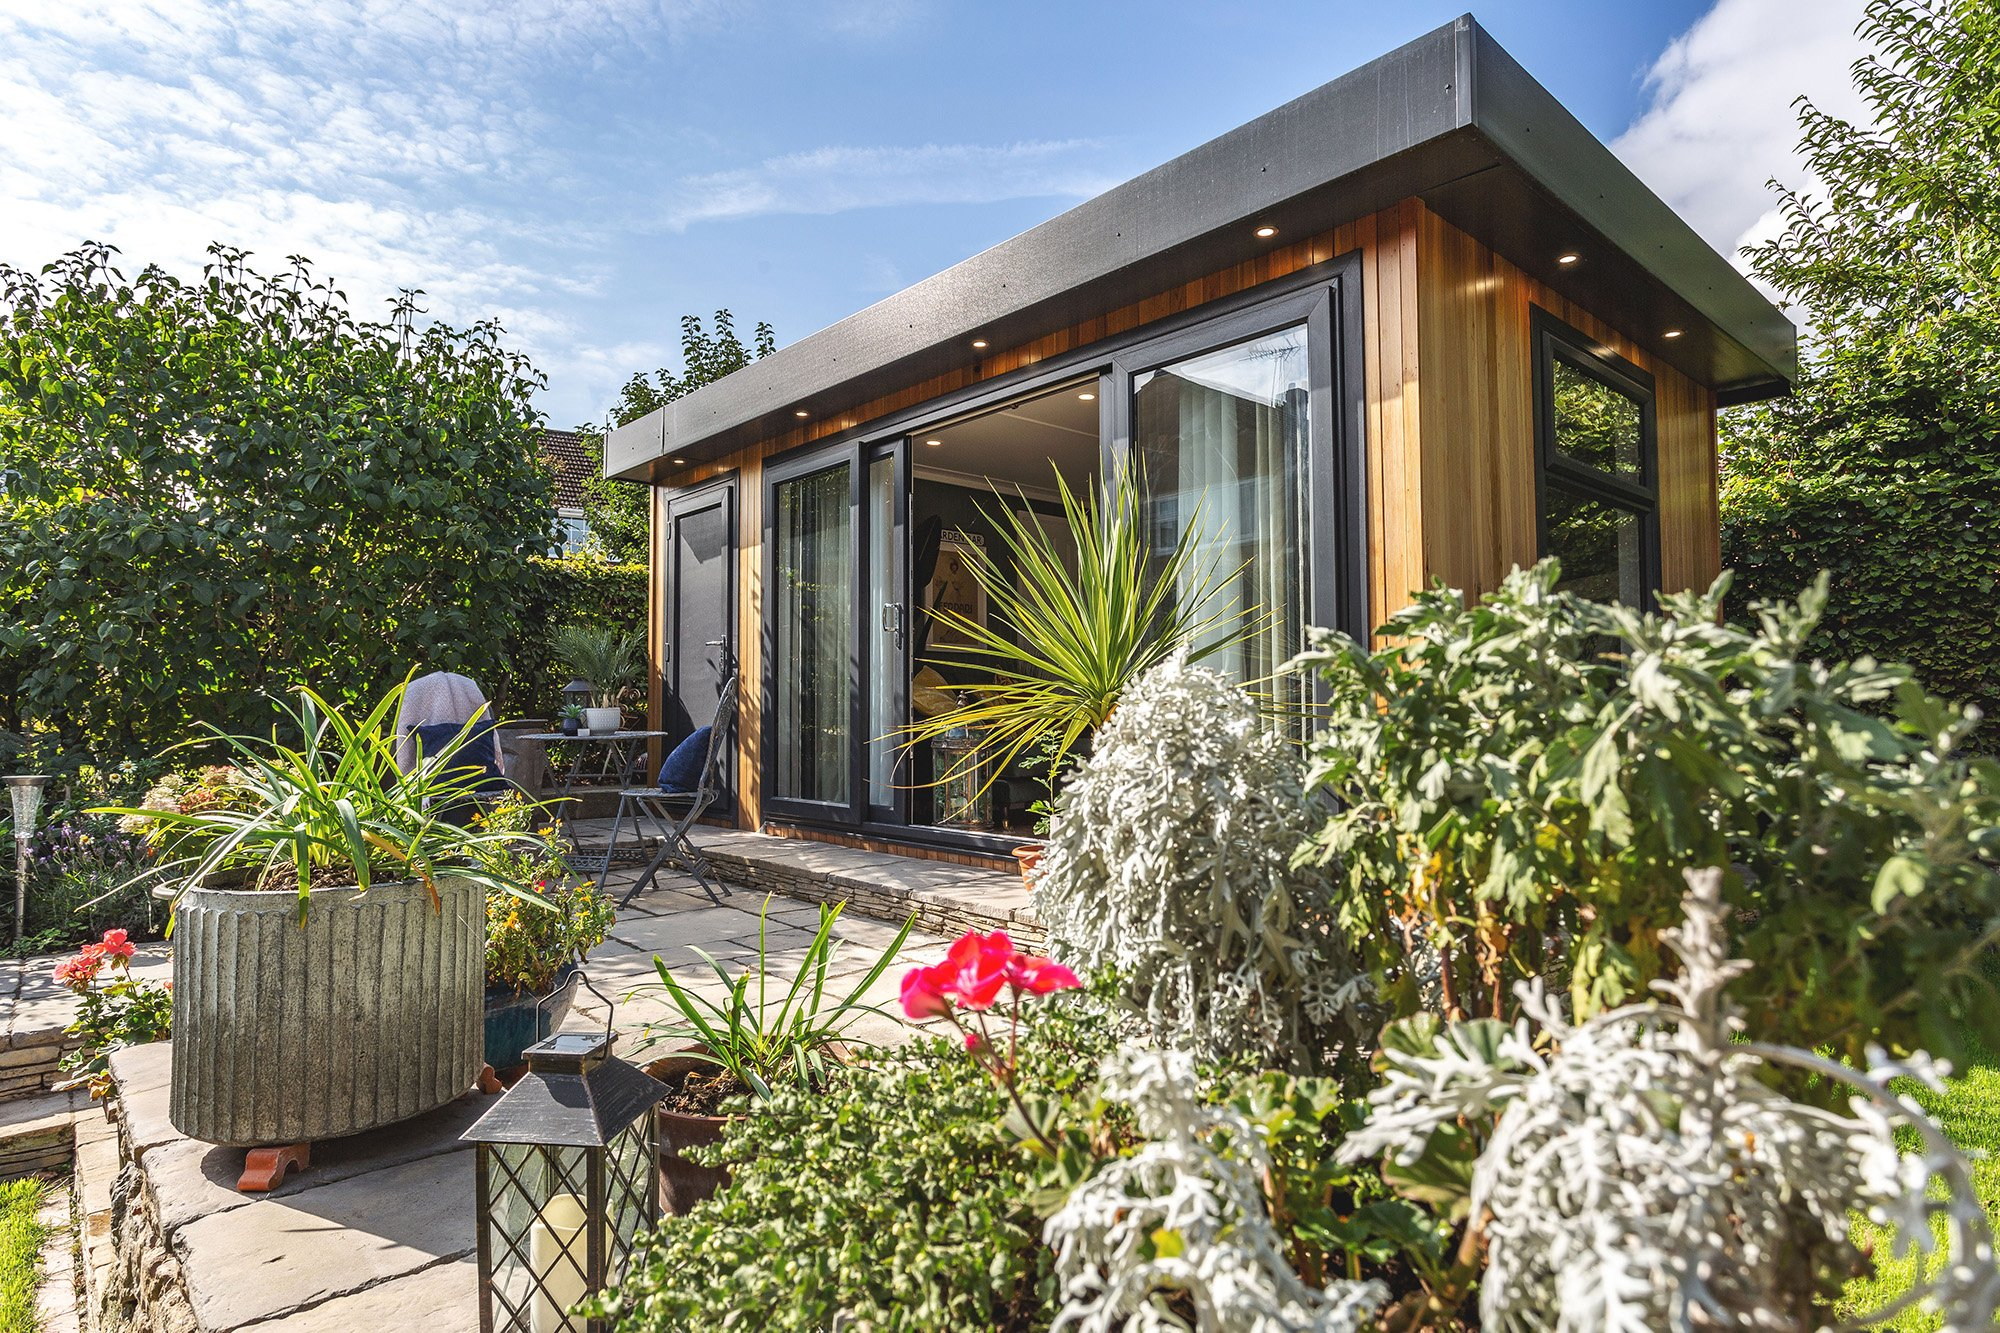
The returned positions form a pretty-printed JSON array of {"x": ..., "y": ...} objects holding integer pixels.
[
  {"x": 577, "y": 693},
  {"x": 567, "y": 1179},
  {"x": 26, "y": 791}
]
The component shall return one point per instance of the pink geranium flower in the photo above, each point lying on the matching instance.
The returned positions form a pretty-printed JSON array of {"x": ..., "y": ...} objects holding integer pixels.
[{"x": 974, "y": 972}]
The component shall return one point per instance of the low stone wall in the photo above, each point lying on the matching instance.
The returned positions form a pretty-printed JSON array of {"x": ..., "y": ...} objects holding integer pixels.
[
  {"x": 947, "y": 900},
  {"x": 29, "y": 1062},
  {"x": 140, "y": 1290}
]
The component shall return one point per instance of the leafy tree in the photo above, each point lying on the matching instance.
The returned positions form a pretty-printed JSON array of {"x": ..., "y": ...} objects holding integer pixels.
[
  {"x": 619, "y": 512},
  {"x": 211, "y": 492},
  {"x": 1884, "y": 466}
]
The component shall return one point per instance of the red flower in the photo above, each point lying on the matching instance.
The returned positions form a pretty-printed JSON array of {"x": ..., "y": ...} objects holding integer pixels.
[
  {"x": 975, "y": 971},
  {"x": 115, "y": 945},
  {"x": 1040, "y": 976},
  {"x": 923, "y": 995},
  {"x": 976, "y": 968}
]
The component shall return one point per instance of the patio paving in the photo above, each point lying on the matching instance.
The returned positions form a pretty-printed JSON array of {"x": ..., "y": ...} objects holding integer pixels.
[{"x": 379, "y": 1232}]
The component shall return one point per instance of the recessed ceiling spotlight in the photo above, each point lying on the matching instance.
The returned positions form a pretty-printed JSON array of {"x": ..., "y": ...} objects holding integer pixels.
[
  {"x": 1671, "y": 333},
  {"x": 979, "y": 343},
  {"x": 934, "y": 443},
  {"x": 1088, "y": 397},
  {"x": 1568, "y": 257},
  {"x": 679, "y": 461},
  {"x": 802, "y": 413},
  {"x": 1266, "y": 233}
]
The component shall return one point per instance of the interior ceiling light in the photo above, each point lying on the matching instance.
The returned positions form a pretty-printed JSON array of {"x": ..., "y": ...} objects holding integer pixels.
[
  {"x": 1088, "y": 397},
  {"x": 1568, "y": 257},
  {"x": 1671, "y": 333},
  {"x": 1266, "y": 233}
]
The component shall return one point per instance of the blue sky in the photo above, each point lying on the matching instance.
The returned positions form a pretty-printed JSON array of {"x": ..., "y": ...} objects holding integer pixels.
[{"x": 588, "y": 172}]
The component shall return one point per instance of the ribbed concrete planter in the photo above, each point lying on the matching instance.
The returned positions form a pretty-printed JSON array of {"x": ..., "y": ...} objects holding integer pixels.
[{"x": 369, "y": 1013}]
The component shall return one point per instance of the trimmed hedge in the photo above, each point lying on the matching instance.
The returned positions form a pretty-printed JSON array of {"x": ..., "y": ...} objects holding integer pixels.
[{"x": 572, "y": 590}]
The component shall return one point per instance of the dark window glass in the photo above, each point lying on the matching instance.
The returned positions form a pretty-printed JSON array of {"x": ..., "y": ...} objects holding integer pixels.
[
  {"x": 813, "y": 667},
  {"x": 1596, "y": 424},
  {"x": 1599, "y": 545},
  {"x": 1594, "y": 414}
]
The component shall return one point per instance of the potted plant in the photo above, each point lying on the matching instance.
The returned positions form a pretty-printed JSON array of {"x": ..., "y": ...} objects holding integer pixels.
[
  {"x": 1067, "y": 636},
  {"x": 329, "y": 933},
  {"x": 572, "y": 719},
  {"x": 610, "y": 659},
  {"x": 535, "y": 938},
  {"x": 746, "y": 1043}
]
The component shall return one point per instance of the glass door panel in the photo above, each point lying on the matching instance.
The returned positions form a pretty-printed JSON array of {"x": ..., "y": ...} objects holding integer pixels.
[
  {"x": 813, "y": 636},
  {"x": 1221, "y": 439}
]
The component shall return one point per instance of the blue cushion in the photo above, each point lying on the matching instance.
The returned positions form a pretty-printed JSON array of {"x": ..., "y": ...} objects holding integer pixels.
[
  {"x": 476, "y": 752},
  {"x": 682, "y": 771}
]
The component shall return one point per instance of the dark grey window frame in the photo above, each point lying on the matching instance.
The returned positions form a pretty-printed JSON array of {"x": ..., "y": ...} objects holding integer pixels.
[
  {"x": 1326, "y": 297},
  {"x": 1554, "y": 340}
]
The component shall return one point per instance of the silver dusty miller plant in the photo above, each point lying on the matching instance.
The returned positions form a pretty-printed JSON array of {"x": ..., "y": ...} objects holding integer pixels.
[
  {"x": 1170, "y": 859},
  {"x": 1639, "y": 1175},
  {"x": 1180, "y": 1216}
]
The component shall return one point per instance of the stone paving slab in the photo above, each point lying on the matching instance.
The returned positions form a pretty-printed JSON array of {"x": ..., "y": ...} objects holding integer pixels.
[{"x": 286, "y": 1253}]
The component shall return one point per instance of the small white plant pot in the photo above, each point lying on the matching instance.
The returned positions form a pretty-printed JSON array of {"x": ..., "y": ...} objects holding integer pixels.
[{"x": 601, "y": 721}]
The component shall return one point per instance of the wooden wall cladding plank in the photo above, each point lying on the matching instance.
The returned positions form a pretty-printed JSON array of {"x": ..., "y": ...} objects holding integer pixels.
[{"x": 1478, "y": 447}]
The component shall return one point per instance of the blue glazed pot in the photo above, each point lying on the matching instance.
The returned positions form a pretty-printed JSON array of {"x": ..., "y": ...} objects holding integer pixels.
[{"x": 511, "y": 1025}]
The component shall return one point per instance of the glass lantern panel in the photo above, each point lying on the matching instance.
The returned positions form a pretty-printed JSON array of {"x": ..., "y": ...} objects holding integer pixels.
[
  {"x": 539, "y": 1241},
  {"x": 631, "y": 1190}
]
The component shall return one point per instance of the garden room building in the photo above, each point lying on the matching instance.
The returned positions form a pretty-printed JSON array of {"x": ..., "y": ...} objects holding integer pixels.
[{"x": 1417, "y": 324}]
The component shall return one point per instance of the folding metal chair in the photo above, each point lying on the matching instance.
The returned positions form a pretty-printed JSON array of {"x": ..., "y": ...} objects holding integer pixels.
[{"x": 678, "y": 811}]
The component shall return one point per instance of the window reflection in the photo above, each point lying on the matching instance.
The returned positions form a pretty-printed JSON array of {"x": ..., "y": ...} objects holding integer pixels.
[{"x": 1220, "y": 438}]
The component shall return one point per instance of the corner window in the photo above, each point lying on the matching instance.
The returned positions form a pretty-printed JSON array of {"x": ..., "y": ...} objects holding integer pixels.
[{"x": 1595, "y": 478}]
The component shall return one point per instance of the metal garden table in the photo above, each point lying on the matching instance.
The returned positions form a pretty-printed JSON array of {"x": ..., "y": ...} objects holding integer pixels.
[{"x": 615, "y": 764}]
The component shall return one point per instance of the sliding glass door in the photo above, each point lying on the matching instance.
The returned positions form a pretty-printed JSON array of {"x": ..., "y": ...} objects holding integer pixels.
[
  {"x": 1244, "y": 430},
  {"x": 834, "y": 617}
]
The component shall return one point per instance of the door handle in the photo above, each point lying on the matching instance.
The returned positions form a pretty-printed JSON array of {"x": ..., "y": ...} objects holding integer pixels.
[{"x": 892, "y": 620}]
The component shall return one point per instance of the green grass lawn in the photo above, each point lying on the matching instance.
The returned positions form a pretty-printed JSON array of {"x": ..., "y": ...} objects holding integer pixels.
[
  {"x": 1969, "y": 1113},
  {"x": 21, "y": 1237}
]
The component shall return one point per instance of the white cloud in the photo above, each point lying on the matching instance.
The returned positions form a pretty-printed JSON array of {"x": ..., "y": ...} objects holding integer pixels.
[
  {"x": 833, "y": 180},
  {"x": 1721, "y": 122}
]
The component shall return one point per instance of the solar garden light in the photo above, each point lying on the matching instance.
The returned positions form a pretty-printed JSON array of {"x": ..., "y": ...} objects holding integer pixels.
[
  {"x": 27, "y": 793},
  {"x": 568, "y": 1177}
]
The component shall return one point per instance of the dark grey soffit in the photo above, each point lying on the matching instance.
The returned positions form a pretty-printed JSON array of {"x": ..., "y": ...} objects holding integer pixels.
[{"x": 1450, "y": 118}]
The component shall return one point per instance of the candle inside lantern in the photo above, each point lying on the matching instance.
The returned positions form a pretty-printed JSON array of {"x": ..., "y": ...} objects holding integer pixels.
[{"x": 556, "y": 1251}]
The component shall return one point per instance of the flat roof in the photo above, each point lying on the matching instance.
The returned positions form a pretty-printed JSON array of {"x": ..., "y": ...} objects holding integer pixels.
[{"x": 1449, "y": 118}]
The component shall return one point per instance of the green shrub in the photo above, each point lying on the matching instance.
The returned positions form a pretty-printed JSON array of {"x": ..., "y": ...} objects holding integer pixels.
[
  {"x": 1520, "y": 783},
  {"x": 213, "y": 491},
  {"x": 576, "y": 590},
  {"x": 896, "y": 1197}
]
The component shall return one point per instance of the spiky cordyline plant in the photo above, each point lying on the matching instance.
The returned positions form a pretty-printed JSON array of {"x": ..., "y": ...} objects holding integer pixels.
[
  {"x": 337, "y": 799},
  {"x": 1065, "y": 647}
]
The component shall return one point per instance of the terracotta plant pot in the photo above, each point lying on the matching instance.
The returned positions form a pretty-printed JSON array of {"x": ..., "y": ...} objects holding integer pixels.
[
  {"x": 685, "y": 1183},
  {"x": 1030, "y": 857}
]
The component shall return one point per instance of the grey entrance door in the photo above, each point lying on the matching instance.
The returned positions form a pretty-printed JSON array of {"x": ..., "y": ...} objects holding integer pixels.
[{"x": 701, "y": 608}]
